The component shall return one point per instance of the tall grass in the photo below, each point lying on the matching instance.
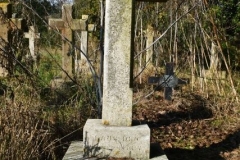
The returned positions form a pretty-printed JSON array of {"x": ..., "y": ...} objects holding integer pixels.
[{"x": 37, "y": 121}]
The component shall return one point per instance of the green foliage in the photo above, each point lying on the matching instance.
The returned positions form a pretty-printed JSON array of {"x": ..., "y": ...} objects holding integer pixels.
[
  {"x": 48, "y": 68},
  {"x": 153, "y": 14},
  {"x": 227, "y": 17},
  {"x": 229, "y": 14},
  {"x": 87, "y": 7}
]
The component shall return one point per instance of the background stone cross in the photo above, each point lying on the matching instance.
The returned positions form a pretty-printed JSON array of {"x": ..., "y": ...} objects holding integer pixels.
[
  {"x": 81, "y": 63},
  {"x": 7, "y": 24},
  {"x": 67, "y": 25},
  {"x": 32, "y": 35},
  {"x": 168, "y": 81}
]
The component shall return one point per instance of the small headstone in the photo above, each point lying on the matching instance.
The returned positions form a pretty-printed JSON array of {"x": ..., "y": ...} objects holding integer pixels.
[
  {"x": 168, "y": 81},
  {"x": 32, "y": 36}
]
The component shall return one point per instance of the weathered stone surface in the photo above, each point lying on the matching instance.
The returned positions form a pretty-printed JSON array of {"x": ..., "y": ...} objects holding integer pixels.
[
  {"x": 78, "y": 24},
  {"x": 5, "y": 9},
  {"x": 4, "y": 32},
  {"x": 16, "y": 23},
  {"x": 32, "y": 35},
  {"x": 116, "y": 141},
  {"x": 113, "y": 135},
  {"x": 117, "y": 94},
  {"x": 81, "y": 62},
  {"x": 75, "y": 152},
  {"x": 56, "y": 24}
]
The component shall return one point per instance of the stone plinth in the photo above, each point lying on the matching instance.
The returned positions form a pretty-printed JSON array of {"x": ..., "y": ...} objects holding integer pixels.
[
  {"x": 75, "y": 152},
  {"x": 116, "y": 141}
]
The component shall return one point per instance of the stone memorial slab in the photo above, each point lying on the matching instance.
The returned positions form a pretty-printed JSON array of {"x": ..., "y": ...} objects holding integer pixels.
[
  {"x": 75, "y": 152},
  {"x": 116, "y": 141}
]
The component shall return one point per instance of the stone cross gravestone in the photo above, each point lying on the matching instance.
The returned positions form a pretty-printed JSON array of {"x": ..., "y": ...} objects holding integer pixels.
[
  {"x": 168, "y": 81},
  {"x": 67, "y": 24},
  {"x": 7, "y": 25},
  {"x": 81, "y": 62},
  {"x": 114, "y": 135},
  {"x": 32, "y": 35}
]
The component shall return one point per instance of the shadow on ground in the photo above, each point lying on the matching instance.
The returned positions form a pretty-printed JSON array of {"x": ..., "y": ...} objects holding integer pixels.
[
  {"x": 189, "y": 129},
  {"x": 213, "y": 152}
]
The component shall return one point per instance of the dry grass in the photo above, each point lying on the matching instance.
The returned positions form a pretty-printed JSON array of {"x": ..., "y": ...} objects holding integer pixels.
[{"x": 32, "y": 127}]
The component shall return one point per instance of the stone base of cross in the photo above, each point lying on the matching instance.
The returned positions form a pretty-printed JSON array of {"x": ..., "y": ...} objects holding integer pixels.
[{"x": 168, "y": 81}]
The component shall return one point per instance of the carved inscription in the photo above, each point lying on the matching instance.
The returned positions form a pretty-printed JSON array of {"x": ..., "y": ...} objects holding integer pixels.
[
  {"x": 118, "y": 143},
  {"x": 116, "y": 138}
]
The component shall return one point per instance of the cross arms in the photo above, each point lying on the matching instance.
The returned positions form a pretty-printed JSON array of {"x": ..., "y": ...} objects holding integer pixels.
[{"x": 75, "y": 24}]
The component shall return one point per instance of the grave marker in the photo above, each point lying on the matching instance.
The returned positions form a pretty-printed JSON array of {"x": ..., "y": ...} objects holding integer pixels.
[
  {"x": 150, "y": 37},
  {"x": 113, "y": 136},
  {"x": 32, "y": 35},
  {"x": 81, "y": 62},
  {"x": 7, "y": 25},
  {"x": 213, "y": 74},
  {"x": 67, "y": 25},
  {"x": 168, "y": 81},
  {"x": 214, "y": 59}
]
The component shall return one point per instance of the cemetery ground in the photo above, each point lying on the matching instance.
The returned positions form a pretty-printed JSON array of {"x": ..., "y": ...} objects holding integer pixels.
[
  {"x": 40, "y": 122},
  {"x": 192, "y": 127}
]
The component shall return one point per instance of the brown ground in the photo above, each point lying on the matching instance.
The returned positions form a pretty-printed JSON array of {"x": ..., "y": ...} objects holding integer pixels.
[{"x": 192, "y": 127}]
